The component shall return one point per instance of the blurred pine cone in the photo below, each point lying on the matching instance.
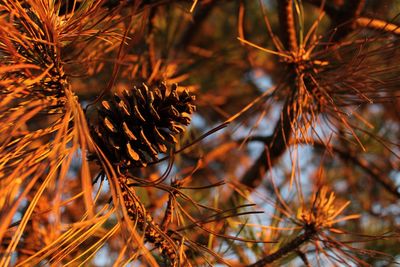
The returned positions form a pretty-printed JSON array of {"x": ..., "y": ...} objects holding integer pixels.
[{"x": 136, "y": 125}]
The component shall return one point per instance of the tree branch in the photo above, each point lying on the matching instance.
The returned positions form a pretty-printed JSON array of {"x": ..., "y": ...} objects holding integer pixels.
[
  {"x": 295, "y": 244},
  {"x": 373, "y": 171},
  {"x": 378, "y": 25},
  {"x": 276, "y": 145},
  {"x": 367, "y": 167},
  {"x": 288, "y": 28}
]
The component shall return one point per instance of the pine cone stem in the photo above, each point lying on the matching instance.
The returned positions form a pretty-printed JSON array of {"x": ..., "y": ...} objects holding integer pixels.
[{"x": 145, "y": 223}]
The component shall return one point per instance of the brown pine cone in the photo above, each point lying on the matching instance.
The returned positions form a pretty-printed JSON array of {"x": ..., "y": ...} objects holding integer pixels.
[{"x": 136, "y": 125}]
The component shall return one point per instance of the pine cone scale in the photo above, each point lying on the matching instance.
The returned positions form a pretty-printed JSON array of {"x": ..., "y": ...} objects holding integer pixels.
[{"x": 136, "y": 125}]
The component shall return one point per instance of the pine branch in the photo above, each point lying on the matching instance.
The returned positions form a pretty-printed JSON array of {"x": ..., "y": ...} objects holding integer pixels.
[
  {"x": 168, "y": 212},
  {"x": 292, "y": 246},
  {"x": 145, "y": 223},
  {"x": 345, "y": 155},
  {"x": 276, "y": 145},
  {"x": 373, "y": 171},
  {"x": 288, "y": 28},
  {"x": 378, "y": 25},
  {"x": 303, "y": 257}
]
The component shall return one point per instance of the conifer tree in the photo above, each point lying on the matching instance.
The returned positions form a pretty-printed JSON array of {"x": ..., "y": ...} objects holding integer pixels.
[{"x": 199, "y": 133}]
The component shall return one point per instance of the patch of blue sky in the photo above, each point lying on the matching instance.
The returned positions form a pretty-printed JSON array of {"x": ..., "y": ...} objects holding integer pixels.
[{"x": 260, "y": 79}]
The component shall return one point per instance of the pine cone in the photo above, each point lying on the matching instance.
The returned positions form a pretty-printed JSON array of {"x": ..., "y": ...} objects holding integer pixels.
[{"x": 137, "y": 125}]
